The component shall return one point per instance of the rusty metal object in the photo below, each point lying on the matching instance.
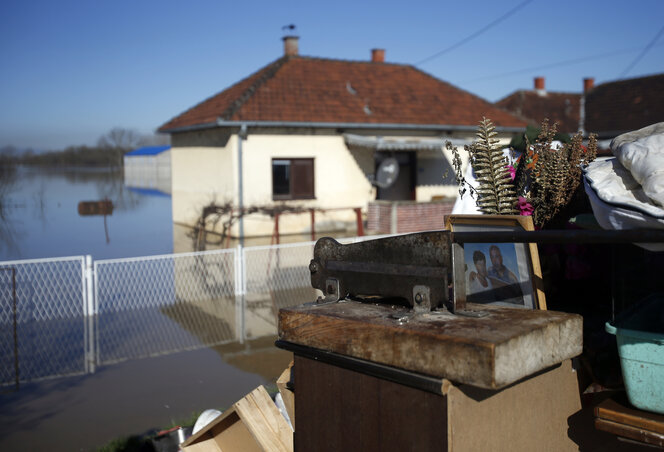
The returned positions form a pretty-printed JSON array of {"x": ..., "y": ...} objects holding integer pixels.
[
  {"x": 103, "y": 207},
  {"x": 408, "y": 266},
  {"x": 562, "y": 236},
  {"x": 412, "y": 267}
]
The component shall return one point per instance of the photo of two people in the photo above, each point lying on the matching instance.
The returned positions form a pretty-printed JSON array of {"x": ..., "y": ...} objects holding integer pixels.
[{"x": 492, "y": 273}]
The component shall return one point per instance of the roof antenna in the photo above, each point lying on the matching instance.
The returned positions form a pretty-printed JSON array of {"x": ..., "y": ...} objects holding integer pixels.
[
  {"x": 288, "y": 29},
  {"x": 290, "y": 41}
]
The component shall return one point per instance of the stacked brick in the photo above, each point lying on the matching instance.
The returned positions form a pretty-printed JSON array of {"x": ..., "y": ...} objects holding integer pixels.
[{"x": 390, "y": 217}]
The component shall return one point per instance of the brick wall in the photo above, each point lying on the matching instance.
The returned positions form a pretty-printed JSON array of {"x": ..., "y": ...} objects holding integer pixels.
[
  {"x": 379, "y": 217},
  {"x": 385, "y": 217}
]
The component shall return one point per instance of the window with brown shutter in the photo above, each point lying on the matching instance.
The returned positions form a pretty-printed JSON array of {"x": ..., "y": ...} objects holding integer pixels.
[{"x": 292, "y": 178}]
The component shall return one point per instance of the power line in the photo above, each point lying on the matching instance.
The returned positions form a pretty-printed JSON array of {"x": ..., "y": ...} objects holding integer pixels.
[
  {"x": 638, "y": 58},
  {"x": 477, "y": 33},
  {"x": 552, "y": 65}
]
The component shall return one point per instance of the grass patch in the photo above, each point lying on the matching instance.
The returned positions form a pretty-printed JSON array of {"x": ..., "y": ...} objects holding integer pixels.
[
  {"x": 188, "y": 421},
  {"x": 132, "y": 443},
  {"x": 143, "y": 443}
]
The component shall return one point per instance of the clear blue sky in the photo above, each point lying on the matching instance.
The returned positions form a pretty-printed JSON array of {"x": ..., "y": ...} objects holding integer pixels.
[{"x": 74, "y": 69}]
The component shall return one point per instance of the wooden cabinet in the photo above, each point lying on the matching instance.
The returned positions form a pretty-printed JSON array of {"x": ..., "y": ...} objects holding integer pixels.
[{"x": 356, "y": 387}]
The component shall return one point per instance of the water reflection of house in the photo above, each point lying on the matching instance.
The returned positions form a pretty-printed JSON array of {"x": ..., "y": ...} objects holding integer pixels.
[
  {"x": 257, "y": 356},
  {"x": 205, "y": 291},
  {"x": 311, "y": 132},
  {"x": 148, "y": 168}
]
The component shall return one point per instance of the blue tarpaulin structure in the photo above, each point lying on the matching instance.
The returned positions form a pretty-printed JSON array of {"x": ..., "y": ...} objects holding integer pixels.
[
  {"x": 148, "y": 150},
  {"x": 149, "y": 167}
]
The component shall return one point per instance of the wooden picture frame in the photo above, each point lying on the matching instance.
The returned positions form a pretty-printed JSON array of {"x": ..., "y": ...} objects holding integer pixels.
[{"x": 496, "y": 273}]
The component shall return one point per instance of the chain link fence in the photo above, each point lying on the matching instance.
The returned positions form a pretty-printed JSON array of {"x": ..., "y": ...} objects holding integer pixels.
[
  {"x": 42, "y": 307},
  {"x": 277, "y": 276},
  {"x": 164, "y": 304},
  {"x": 273, "y": 272},
  {"x": 65, "y": 316}
]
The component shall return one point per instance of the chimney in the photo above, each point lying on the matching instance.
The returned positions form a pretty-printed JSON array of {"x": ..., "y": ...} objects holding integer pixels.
[
  {"x": 290, "y": 45},
  {"x": 539, "y": 86},
  {"x": 588, "y": 84},
  {"x": 378, "y": 55}
]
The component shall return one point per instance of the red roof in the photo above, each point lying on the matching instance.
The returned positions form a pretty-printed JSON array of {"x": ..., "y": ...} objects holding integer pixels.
[
  {"x": 305, "y": 89},
  {"x": 563, "y": 108},
  {"x": 626, "y": 105}
]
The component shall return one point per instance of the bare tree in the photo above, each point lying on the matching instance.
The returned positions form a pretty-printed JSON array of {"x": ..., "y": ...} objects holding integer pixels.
[
  {"x": 226, "y": 215},
  {"x": 8, "y": 154},
  {"x": 156, "y": 139},
  {"x": 119, "y": 141},
  {"x": 119, "y": 138}
]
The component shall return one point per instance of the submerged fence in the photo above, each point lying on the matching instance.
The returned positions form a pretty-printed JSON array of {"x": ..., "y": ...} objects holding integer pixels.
[
  {"x": 67, "y": 316},
  {"x": 42, "y": 305}
]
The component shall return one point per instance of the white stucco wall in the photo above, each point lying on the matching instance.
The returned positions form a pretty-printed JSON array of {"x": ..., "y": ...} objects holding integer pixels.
[
  {"x": 205, "y": 169},
  {"x": 201, "y": 175},
  {"x": 339, "y": 181}
]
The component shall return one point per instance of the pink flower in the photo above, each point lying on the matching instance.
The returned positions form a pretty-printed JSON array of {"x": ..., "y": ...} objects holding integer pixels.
[
  {"x": 512, "y": 171},
  {"x": 524, "y": 206}
]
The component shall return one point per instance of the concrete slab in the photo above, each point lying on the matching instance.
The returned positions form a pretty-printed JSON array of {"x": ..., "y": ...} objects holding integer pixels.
[{"x": 491, "y": 352}]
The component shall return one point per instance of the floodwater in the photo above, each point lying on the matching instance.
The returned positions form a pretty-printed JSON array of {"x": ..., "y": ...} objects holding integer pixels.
[
  {"x": 39, "y": 215},
  {"x": 129, "y": 394},
  {"x": 133, "y": 397}
]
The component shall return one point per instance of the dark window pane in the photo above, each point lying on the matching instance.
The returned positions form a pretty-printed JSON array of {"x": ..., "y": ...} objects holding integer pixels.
[
  {"x": 303, "y": 178},
  {"x": 281, "y": 177},
  {"x": 293, "y": 178}
]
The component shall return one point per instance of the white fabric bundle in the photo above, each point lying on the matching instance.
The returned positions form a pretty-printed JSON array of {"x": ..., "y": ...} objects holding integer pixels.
[
  {"x": 615, "y": 186},
  {"x": 618, "y": 201},
  {"x": 642, "y": 153}
]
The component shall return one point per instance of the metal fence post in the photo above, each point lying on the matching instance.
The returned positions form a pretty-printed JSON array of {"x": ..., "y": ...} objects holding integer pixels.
[
  {"x": 86, "y": 306},
  {"x": 90, "y": 312},
  {"x": 14, "y": 321},
  {"x": 240, "y": 292}
]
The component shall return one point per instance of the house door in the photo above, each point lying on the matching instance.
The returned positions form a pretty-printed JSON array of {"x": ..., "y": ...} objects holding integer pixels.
[{"x": 403, "y": 188}]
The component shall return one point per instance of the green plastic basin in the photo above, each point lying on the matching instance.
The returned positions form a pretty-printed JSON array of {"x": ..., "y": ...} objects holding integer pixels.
[{"x": 642, "y": 354}]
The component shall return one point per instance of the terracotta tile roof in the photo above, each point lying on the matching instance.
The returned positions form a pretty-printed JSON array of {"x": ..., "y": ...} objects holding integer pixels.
[
  {"x": 563, "y": 108},
  {"x": 305, "y": 89},
  {"x": 625, "y": 105}
]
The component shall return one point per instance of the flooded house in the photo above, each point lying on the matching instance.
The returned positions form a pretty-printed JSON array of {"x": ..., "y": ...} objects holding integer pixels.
[{"x": 311, "y": 133}]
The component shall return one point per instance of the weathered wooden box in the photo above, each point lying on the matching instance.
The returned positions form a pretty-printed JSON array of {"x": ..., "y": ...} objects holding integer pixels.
[
  {"x": 490, "y": 352},
  {"x": 365, "y": 380}
]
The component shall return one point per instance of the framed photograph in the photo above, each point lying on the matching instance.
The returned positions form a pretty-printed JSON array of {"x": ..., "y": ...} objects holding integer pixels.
[{"x": 507, "y": 274}]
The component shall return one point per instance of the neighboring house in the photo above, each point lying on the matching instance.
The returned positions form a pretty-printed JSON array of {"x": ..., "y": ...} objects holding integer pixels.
[
  {"x": 148, "y": 168},
  {"x": 607, "y": 109},
  {"x": 311, "y": 132},
  {"x": 622, "y": 106},
  {"x": 538, "y": 104}
]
